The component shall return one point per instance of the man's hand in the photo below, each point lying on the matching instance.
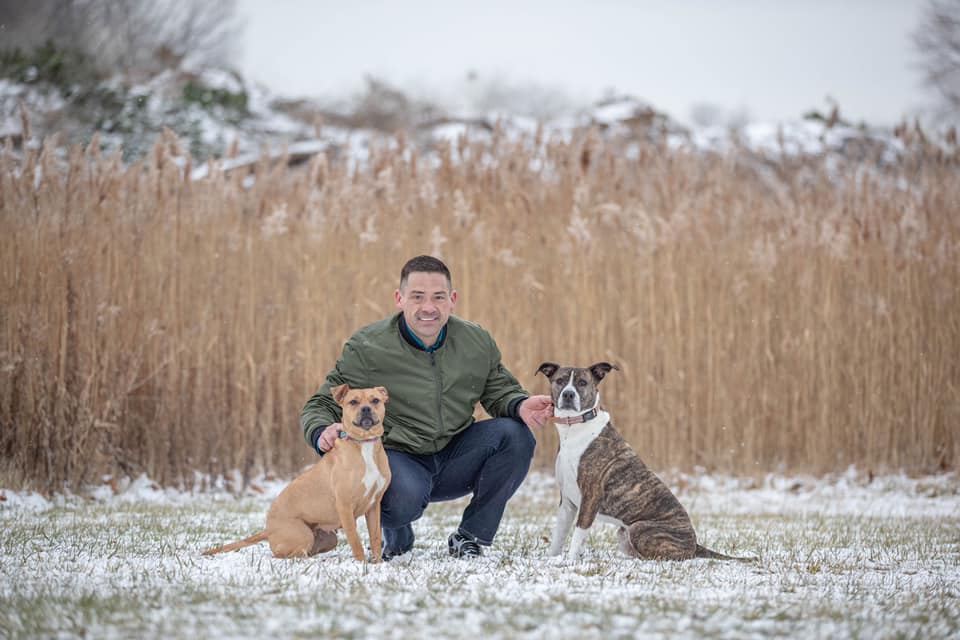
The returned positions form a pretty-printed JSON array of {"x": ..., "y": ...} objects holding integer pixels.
[
  {"x": 329, "y": 437},
  {"x": 536, "y": 410}
]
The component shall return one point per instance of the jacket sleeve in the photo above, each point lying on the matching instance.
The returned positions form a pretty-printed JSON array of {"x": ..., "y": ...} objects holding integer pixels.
[
  {"x": 321, "y": 409},
  {"x": 502, "y": 394}
]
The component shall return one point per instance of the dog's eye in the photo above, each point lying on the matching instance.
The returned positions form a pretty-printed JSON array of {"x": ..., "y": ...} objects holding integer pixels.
[
  {"x": 375, "y": 401},
  {"x": 581, "y": 383},
  {"x": 354, "y": 402}
]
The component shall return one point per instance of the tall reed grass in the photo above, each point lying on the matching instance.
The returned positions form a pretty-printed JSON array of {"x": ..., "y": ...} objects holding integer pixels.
[{"x": 801, "y": 315}]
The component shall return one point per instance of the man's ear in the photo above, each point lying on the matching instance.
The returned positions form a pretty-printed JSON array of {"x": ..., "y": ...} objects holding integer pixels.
[
  {"x": 340, "y": 392},
  {"x": 383, "y": 393},
  {"x": 548, "y": 369},
  {"x": 600, "y": 369}
]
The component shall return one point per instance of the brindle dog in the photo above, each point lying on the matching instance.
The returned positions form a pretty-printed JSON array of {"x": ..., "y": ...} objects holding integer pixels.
[{"x": 602, "y": 478}]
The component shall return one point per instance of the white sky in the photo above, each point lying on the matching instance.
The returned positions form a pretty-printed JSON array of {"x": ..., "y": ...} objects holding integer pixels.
[{"x": 775, "y": 59}]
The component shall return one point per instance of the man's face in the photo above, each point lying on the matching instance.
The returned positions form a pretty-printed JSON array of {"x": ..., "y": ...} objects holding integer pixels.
[{"x": 427, "y": 302}]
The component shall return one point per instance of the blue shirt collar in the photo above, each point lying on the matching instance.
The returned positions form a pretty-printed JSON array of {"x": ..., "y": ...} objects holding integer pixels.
[{"x": 412, "y": 338}]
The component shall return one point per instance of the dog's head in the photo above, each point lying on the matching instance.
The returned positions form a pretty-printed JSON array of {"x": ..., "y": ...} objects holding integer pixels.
[
  {"x": 574, "y": 389},
  {"x": 363, "y": 410}
]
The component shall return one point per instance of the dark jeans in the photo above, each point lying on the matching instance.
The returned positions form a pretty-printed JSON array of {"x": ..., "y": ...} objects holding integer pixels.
[{"x": 489, "y": 459}]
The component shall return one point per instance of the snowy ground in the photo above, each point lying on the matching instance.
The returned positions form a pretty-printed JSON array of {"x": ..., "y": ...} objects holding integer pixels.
[{"x": 839, "y": 557}]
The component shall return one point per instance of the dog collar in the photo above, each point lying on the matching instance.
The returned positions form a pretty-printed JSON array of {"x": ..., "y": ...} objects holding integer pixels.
[
  {"x": 343, "y": 435},
  {"x": 583, "y": 417}
]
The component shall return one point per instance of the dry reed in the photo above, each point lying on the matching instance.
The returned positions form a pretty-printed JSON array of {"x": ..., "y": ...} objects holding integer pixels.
[{"x": 795, "y": 315}]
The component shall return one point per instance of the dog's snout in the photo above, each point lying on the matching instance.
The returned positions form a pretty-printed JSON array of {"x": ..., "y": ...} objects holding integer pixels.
[
  {"x": 568, "y": 394},
  {"x": 366, "y": 417}
]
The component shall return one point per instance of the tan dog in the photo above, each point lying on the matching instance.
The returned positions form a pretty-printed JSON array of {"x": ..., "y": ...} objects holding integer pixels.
[{"x": 344, "y": 484}]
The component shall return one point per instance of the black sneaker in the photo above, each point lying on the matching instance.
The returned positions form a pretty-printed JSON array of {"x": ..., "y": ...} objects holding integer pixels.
[
  {"x": 390, "y": 554},
  {"x": 462, "y": 546}
]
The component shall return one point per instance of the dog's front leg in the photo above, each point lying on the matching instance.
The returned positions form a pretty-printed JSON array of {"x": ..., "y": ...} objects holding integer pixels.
[
  {"x": 373, "y": 528},
  {"x": 576, "y": 544},
  {"x": 348, "y": 522},
  {"x": 565, "y": 516},
  {"x": 589, "y": 507}
]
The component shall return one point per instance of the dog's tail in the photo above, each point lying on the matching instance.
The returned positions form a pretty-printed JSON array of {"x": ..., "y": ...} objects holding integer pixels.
[
  {"x": 703, "y": 552},
  {"x": 239, "y": 544}
]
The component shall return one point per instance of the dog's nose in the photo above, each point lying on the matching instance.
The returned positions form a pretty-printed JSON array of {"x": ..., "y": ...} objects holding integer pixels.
[{"x": 568, "y": 395}]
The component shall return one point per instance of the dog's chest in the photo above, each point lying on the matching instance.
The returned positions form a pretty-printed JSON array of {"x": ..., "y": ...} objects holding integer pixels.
[
  {"x": 574, "y": 440},
  {"x": 373, "y": 479}
]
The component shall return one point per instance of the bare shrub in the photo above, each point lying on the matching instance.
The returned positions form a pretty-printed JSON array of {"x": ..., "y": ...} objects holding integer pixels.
[
  {"x": 138, "y": 37},
  {"x": 937, "y": 41}
]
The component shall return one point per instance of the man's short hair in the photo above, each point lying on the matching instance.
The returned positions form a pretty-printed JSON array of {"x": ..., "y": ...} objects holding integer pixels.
[{"x": 424, "y": 264}]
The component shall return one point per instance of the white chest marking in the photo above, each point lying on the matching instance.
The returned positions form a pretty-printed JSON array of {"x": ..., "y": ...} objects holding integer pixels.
[
  {"x": 373, "y": 480},
  {"x": 574, "y": 440}
]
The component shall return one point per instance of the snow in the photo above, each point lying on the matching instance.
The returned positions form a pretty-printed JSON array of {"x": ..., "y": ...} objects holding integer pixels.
[
  {"x": 158, "y": 102},
  {"x": 847, "y": 555}
]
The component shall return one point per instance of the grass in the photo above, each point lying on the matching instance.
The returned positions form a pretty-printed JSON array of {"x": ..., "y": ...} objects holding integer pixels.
[{"x": 132, "y": 569}]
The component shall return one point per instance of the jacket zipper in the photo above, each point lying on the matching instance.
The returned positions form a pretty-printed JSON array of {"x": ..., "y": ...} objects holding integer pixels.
[{"x": 436, "y": 377}]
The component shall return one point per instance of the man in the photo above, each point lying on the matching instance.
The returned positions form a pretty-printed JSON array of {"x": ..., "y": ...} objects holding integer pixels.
[{"x": 436, "y": 368}]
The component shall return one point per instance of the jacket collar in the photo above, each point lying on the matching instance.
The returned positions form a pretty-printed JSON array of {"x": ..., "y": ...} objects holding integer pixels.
[{"x": 416, "y": 342}]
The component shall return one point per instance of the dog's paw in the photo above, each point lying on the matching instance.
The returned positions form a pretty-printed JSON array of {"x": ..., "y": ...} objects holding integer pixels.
[{"x": 574, "y": 558}]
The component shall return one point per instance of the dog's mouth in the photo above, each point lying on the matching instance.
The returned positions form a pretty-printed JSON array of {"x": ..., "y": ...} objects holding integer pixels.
[{"x": 366, "y": 421}]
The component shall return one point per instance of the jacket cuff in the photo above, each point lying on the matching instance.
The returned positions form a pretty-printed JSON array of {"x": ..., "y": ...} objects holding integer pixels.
[
  {"x": 513, "y": 409},
  {"x": 315, "y": 439}
]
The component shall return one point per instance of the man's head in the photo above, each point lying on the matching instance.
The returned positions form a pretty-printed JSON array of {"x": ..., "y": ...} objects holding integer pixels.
[{"x": 426, "y": 296}]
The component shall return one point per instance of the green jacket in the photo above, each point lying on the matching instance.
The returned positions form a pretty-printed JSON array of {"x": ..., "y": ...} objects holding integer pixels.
[{"x": 432, "y": 395}]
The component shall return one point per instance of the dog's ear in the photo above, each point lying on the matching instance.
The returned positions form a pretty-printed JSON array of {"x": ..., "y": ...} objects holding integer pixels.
[
  {"x": 340, "y": 392},
  {"x": 548, "y": 369},
  {"x": 600, "y": 369},
  {"x": 383, "y": 393}
]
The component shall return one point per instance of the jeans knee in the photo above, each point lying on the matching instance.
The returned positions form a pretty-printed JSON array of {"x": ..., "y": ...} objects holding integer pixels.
[
  {"x": 519, "y": 439},
  {"x": 402, "y": 503}
]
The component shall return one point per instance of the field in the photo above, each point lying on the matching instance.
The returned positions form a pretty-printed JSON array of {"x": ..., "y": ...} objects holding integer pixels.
[
  {"x": 846, "y": 556},
  {"x": 769, "y": 312},
  {"x": 772, "y": 315}
]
